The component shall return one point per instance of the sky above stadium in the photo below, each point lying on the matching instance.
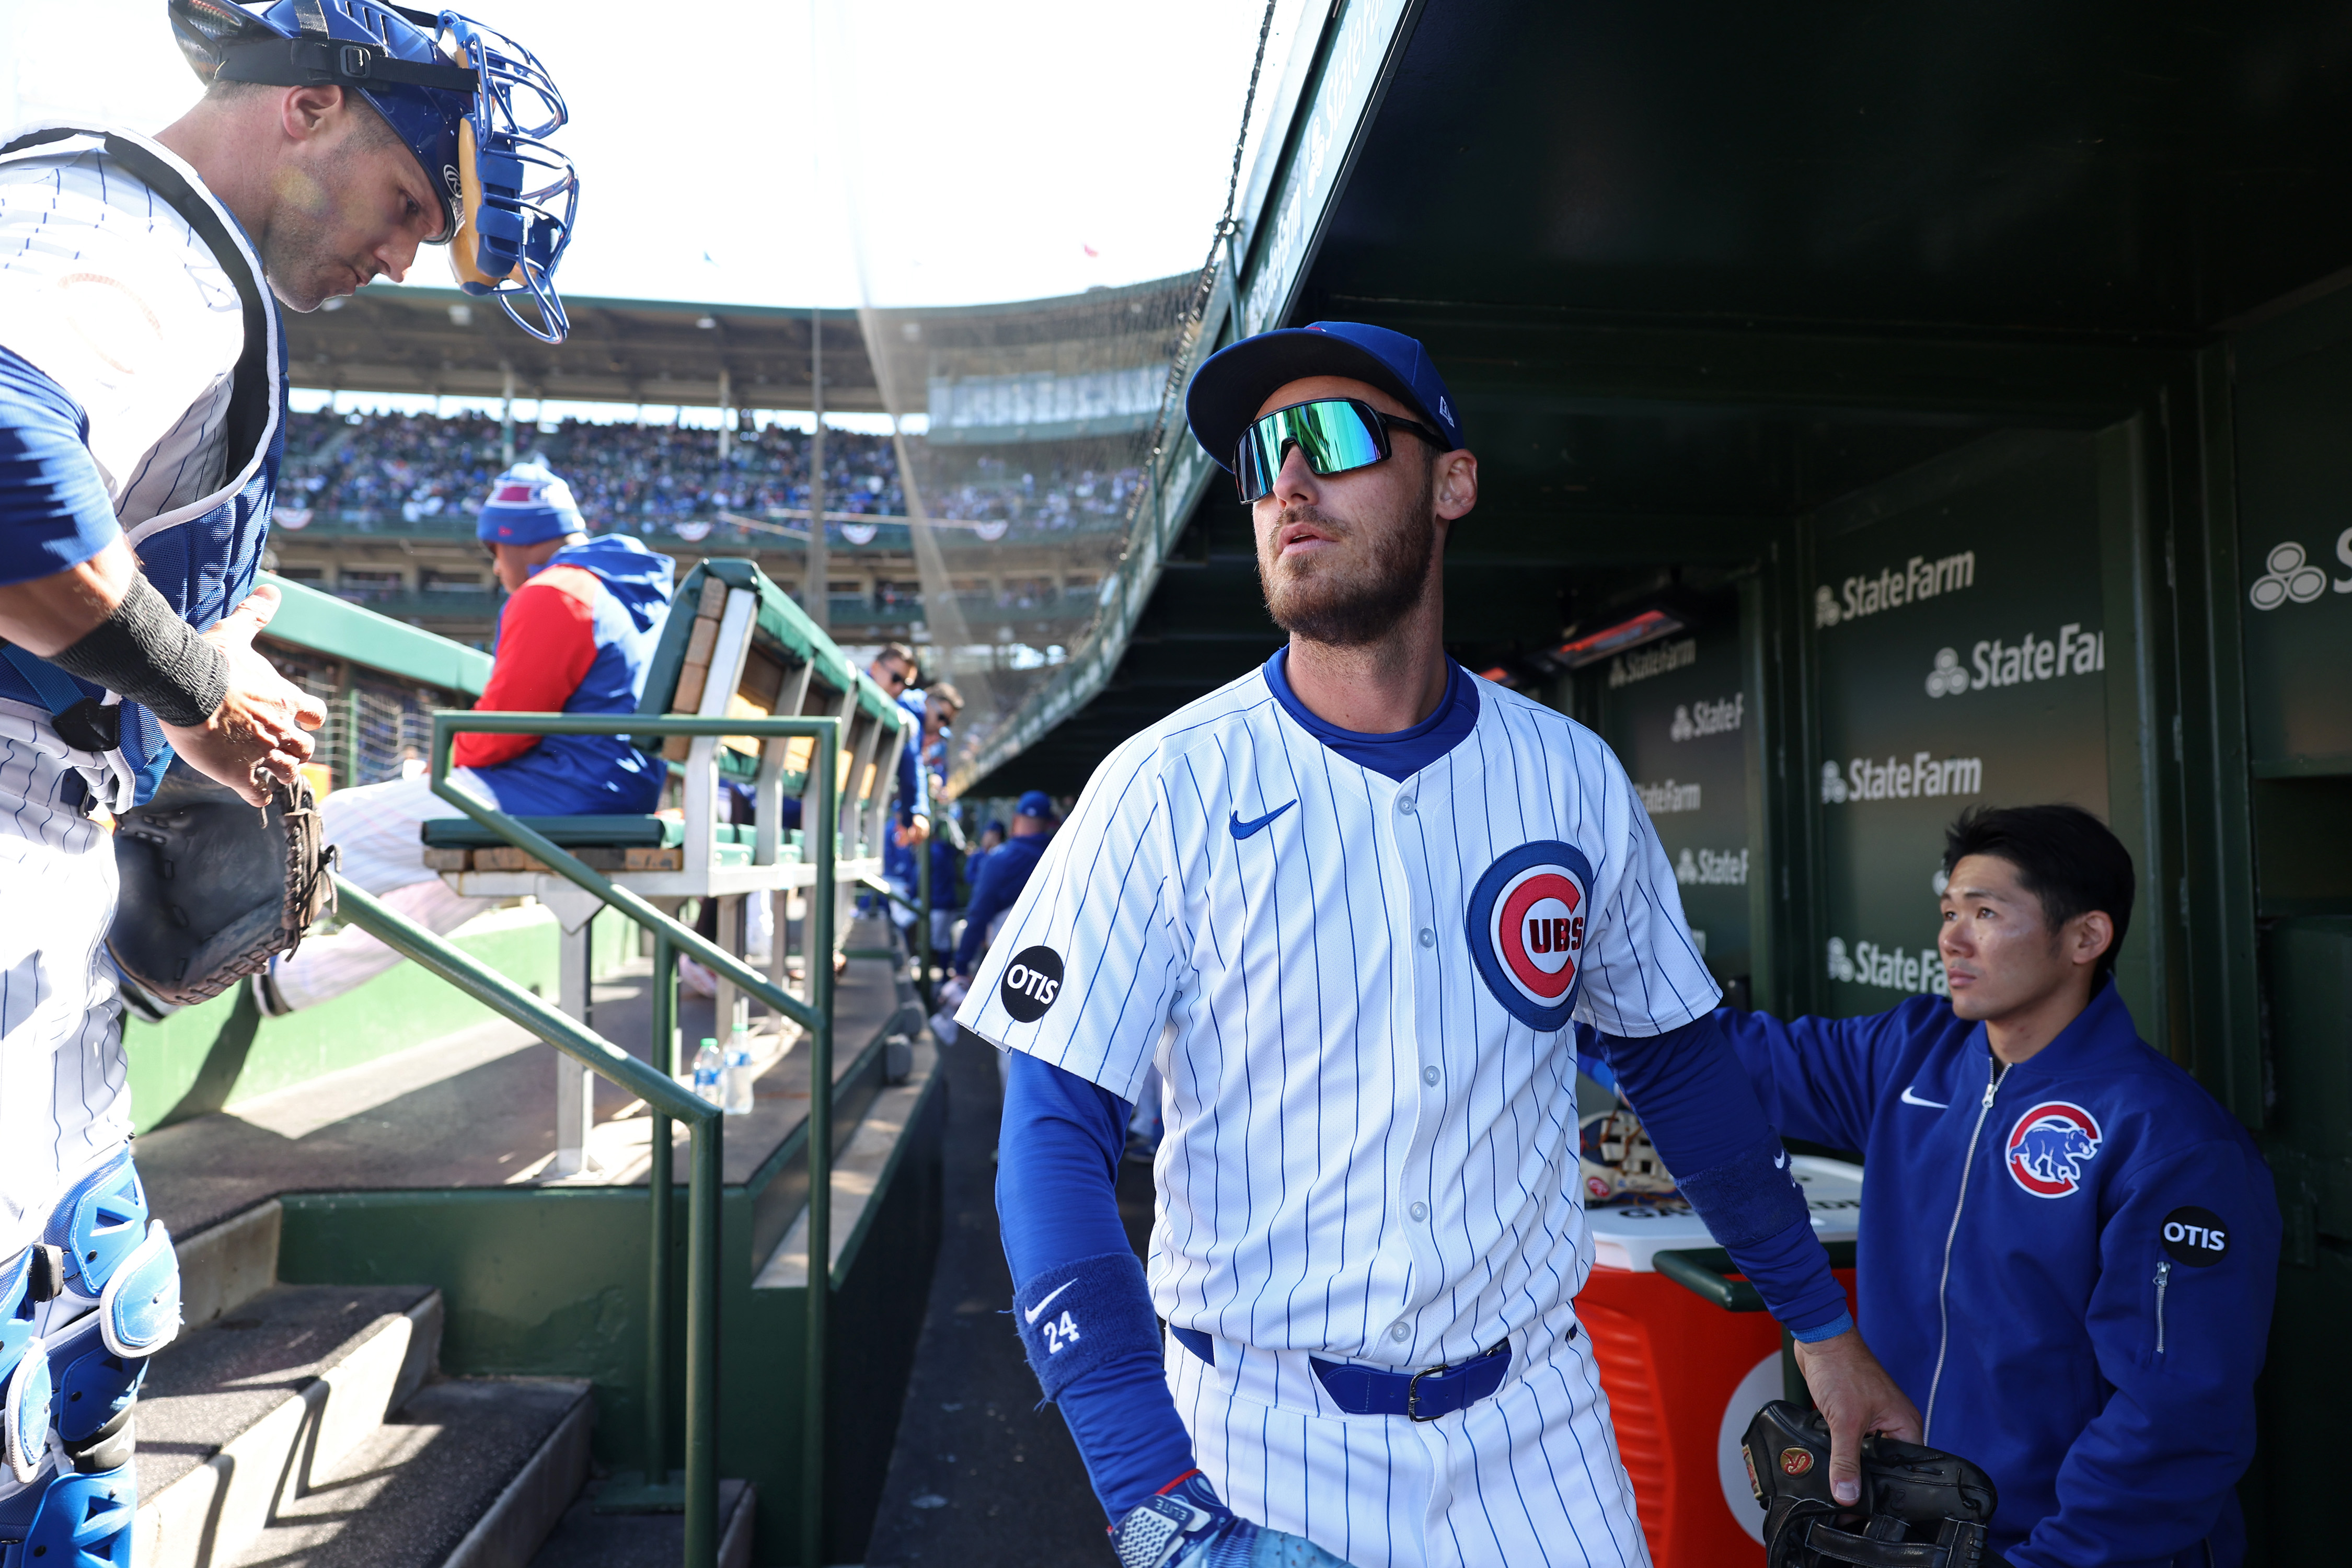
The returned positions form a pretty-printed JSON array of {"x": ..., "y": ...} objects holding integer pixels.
[{"x": 813, "y": 152}]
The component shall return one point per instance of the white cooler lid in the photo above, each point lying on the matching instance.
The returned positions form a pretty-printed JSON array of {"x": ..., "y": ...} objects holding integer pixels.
[{"x": 1628, "y": 1235}]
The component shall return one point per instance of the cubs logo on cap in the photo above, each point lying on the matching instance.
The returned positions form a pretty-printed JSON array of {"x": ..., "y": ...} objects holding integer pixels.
[
  {"x": 1527, "y": 921},
  {"x": 2049, "y": 1147}
]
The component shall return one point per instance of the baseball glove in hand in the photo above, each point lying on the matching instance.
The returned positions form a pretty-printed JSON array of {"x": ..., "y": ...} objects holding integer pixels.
[
  {"x": 211, "y": 887},
  {"x": 1187, "y": 1526},
  {"x": 1920, "y": 1508}
]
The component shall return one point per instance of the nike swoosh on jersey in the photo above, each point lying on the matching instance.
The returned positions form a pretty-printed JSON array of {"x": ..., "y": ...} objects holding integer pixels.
[
  {"x": 1031, "y": 1314},
  {"x": 1911, "y": 1099},
  {"x": 1243, "y": 829}
]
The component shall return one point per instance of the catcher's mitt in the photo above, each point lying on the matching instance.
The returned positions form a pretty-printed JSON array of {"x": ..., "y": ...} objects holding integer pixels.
[
  {"x": 1920, "y": 1508},
  {"x": 1616, "y": 1158},
  {"x": 211, "y": 887}
]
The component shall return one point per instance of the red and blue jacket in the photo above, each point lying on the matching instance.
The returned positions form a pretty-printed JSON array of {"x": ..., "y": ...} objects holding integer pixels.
[
  {"x": 576, "y": 638},
  {"x": 2068, "y": 1265}
]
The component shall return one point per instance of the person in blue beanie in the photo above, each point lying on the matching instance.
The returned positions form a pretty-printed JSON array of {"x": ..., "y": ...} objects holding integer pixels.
[{"x": 576, "y": 636}]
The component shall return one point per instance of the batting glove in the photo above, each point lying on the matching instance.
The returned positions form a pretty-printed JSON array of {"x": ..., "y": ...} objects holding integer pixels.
[{"x": 1187, "y": 1526}]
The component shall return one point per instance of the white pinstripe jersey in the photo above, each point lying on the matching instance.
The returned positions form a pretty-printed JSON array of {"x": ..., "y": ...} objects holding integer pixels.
[
  {"x": 115, "y": 298},
  {"x": 1358, "y": 1009}
]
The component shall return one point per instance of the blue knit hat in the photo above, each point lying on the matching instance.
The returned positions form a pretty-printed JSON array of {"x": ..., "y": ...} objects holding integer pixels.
[{"x": 529, "y": 504}]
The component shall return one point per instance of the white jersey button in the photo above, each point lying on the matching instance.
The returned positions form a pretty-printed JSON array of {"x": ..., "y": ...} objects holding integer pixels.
[
  {"x": 1428, "y": 937},
  {"x": 1429, "y": 1076},
  {"x": 1399, "y": 1332},
  {"x": 1419, "y": 1211},
  {"x": 1405, "y": 804}
]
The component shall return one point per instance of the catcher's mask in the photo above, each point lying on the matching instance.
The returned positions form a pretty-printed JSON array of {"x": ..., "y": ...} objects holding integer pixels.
[
  {"x": 474, "y": 106},
  {"x": 1919, "y": 1508}
]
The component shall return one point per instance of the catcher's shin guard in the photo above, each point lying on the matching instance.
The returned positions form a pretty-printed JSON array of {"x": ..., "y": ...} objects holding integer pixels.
[{"x": 1919, "y": 1508}]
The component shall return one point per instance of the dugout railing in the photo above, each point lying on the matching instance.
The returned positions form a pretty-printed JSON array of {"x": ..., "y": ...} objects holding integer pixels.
[{"x": 665, "y": 1099}]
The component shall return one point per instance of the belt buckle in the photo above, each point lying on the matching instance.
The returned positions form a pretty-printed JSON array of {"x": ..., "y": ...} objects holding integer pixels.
[{"x": 1412, "y": 1393}]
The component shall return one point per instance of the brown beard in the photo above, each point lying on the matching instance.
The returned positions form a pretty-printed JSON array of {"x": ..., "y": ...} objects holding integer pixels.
[{"x": 1349, "y": 604}]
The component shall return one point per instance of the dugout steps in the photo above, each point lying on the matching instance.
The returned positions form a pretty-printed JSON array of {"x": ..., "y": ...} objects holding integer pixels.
[{"x": 403, "y": 1350}]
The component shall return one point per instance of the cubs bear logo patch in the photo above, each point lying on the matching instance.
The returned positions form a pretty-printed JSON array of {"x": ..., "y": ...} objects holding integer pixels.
[
  {"x": 2050, "y": 1145},
  {"x": 1526, "y": 925}
]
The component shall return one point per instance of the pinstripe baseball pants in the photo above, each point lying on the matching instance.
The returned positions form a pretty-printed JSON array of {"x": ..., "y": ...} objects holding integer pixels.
[
  {"x": 65, "y": 1097},
  {"x": 1529, "y": 1477}
]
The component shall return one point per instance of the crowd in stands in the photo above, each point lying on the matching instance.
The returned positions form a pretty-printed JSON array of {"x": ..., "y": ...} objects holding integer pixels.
[{"x": 381, "y": 470}]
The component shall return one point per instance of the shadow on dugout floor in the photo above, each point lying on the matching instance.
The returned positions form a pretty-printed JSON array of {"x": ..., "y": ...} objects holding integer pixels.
[{"x": 981, "y": 1478}]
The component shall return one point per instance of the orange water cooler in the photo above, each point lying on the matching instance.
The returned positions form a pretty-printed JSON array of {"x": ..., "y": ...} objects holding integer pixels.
[{"x": 1686, "y": 1356}]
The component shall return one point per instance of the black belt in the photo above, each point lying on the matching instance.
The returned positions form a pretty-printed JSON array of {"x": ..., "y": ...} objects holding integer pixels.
[{"x": 1423, "y": 1395}]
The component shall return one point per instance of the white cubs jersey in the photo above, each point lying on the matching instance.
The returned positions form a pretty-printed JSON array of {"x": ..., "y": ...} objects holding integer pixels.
[
  {"x": 112, "y": 294},
  {"x": 1357, "y": 992}
]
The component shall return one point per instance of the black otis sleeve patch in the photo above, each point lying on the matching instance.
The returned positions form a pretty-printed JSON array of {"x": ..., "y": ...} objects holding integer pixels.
[
  {"x": 1032, "y": 980},
  {"x": 2196, "y": 1236}
]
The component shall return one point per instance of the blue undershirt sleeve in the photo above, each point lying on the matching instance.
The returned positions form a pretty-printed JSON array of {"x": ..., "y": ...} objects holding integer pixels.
[
  {"x": 54, "y": 510},
  {"x": 1702, "y": 1114},
  {"x": 1078, "y": 1289}
]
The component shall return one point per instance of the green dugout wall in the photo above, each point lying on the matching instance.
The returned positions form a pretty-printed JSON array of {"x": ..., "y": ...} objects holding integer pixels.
[{"x": 1977, "y": 382}]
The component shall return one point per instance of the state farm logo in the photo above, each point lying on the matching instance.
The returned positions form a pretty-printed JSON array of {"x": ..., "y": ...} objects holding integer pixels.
[
  {"x": 1699, "y": 719},
  {"x": 1917, "y": 971},
  {"x": 1712, "y": 868},
  {"x": 1918, "y": 578},
  {"x": 1665, "y": 799},
  {"x": 1923, "y": 777},
  {"x": 2290, "y": 578},
  {"x": 1645, "y": 662},
  {"x": 1993, "y": 662}
]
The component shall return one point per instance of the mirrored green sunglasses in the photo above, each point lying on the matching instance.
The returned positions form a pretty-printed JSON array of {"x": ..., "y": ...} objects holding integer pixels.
[{"x": 1334, "y": 435}]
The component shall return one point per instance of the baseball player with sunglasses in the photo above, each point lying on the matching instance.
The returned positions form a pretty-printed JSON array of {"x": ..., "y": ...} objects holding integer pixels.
[
  {"x": 142, "y": 387},
  {"x": 1350, "y": 908}
]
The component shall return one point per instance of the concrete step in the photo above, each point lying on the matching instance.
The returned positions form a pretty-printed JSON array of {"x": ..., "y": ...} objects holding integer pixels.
[
  {"x": 586, "y": 1539},
  {"x": 238, "y": 1414},
  {"x": 469, "y": 1473}
]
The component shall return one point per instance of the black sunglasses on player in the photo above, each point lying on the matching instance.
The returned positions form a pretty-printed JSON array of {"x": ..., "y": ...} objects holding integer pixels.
[{"x": 1334, "y": 434}]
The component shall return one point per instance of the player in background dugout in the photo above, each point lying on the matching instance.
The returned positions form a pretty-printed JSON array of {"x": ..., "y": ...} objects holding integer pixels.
[
  {"x": 894, "y": 670},
  {"x": 2068, "y": 1248},
  {"x": 576, "y": 636}
]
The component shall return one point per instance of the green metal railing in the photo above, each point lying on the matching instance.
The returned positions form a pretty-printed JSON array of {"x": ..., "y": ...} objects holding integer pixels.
[{"x": 663, "y": 1098}]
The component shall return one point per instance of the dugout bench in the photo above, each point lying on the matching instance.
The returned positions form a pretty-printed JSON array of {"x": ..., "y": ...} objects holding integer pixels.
[{"x": 735, "y": 645}]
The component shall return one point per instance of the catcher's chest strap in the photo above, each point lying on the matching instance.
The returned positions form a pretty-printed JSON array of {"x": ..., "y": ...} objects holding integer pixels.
[{"x": 1375, "y": 1391}]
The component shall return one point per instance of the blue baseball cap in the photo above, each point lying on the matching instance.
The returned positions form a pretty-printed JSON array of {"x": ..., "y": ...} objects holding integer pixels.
[
  {"x": 1227, "y": 391},
  {"x": 529, "y": 504},
  {"x": 1036, "y": 802}
]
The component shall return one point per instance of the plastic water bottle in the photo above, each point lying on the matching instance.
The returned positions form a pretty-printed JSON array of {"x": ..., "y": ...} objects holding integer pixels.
[
  {"x": 708, "y": 1070},
  {"x": 739, "y": 1072}
]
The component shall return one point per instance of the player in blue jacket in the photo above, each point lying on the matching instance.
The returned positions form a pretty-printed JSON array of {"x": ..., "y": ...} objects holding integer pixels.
[{"x": 2068, "y": 1249}]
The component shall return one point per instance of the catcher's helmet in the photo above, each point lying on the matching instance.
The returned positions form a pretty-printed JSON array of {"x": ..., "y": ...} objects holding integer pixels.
[{"x": 471, "y": 104}]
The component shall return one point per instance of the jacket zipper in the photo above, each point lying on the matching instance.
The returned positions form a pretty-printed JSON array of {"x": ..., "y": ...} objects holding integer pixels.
[
  {"x": 2163, "y": 1279},
  {"x": 1943, "y": 1283}
]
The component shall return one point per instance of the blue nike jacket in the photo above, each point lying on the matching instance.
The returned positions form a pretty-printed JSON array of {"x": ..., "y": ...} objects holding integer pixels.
[{"x": 2068, "y": 1265}]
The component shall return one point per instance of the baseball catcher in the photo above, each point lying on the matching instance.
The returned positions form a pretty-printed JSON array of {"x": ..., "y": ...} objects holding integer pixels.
[{"x": 142, "y": 392}]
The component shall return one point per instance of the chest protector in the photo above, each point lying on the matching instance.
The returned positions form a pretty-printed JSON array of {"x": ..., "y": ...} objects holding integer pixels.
[{"x": 204, "y": 556}]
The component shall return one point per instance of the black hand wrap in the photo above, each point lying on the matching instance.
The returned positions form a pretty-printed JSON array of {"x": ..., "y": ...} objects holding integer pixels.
[{"x": 147, "y": 653}]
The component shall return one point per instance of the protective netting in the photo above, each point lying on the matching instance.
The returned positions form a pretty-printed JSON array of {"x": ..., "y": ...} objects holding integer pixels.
[
  {"x": 1040, "y": 422},
  {"x": 1021, "y": 489}
]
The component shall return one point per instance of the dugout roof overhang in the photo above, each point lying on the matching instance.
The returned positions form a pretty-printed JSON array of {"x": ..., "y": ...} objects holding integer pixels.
[{"x": 1692, "y": 272}]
